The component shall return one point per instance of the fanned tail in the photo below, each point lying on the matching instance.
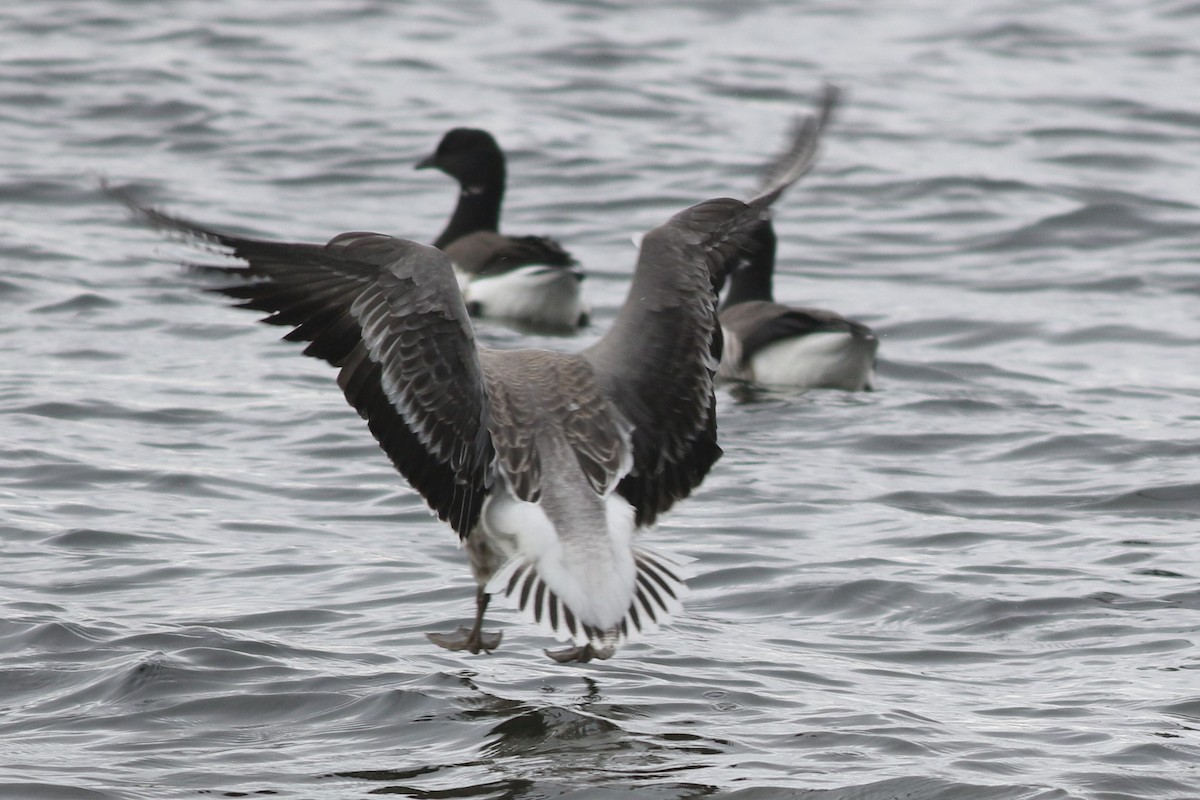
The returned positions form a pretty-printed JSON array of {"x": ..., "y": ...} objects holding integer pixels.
[{"x": 658, "y": 593}]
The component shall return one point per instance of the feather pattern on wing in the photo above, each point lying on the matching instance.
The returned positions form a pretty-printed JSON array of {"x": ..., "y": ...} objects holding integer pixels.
[
  {"x": 388, "y": 313},
  {"x": 659, "y": 358}
]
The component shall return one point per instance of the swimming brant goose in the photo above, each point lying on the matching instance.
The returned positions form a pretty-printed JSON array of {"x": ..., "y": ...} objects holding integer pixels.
[
  {"x": 529, "y": 280},
  {"x": 547, "y": 464},
  {"x": 777, "y": 345}
]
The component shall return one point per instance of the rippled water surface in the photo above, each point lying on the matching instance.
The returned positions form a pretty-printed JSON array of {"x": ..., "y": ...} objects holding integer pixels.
[{"x": 980, "y": 581}]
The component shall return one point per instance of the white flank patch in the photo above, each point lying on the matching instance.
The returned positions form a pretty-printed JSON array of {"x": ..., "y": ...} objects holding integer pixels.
[
  {"x": 833, "y": 360},
  {"x": 543, "y": 295},
  {"x": 463, "y": 278}
]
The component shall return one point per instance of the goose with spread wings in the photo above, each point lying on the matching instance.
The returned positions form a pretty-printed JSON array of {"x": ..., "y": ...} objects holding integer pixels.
[
  {"x": 528, "y": 280},
  {"x": 778, "y": 345},
  {"x": 547, "y": 464}
]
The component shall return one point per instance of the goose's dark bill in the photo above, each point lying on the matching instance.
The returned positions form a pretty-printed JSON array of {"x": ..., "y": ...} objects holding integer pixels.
[
  {"x": 546, "y": 464},
  {"x": 529, "y": 280}
]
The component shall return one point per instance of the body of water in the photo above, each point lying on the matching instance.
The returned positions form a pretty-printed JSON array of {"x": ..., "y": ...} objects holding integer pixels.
[{"x": 980, "y": 581}]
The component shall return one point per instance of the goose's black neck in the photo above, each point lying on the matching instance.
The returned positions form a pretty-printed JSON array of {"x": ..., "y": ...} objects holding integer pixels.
[
  {"x": 479, "y": 199},
  {"x": 752, "y": 278}
]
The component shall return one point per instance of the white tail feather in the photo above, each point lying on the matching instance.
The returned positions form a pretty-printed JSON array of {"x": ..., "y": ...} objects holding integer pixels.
[{"x": 657, "y": 595}]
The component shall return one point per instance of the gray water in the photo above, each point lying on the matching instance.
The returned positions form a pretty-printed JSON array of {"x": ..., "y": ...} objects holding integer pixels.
[{"x": 980, "y": 581}]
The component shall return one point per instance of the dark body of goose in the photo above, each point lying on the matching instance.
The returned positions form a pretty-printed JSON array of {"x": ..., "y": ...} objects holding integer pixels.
[
  {"x": 778, "y": 345},
  {"x": 529, "y": 280},
  {"x": 546, "y": 464}
]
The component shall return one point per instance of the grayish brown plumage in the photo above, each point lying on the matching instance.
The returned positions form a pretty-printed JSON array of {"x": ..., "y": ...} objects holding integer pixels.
[{"x": 545, "y": 463}]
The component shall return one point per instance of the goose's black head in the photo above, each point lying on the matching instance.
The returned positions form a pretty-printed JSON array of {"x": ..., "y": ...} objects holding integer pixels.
[{"x": 469, "y": 155}]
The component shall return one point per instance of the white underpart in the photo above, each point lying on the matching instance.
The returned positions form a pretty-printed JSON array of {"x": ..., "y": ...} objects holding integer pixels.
[
  {"x": 827, "y": 360},
  {"x": 543, "y": 295},
  {"x": 592, "y": 574}
]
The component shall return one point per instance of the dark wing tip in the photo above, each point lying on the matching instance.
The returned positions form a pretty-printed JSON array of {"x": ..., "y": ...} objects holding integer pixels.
[
  {"x": 717, "y": 219},
  {"x": 164, "y": 221},
  {"x": 800, "y": 154}
]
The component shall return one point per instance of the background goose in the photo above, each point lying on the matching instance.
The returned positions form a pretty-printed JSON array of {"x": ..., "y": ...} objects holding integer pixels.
[
  {"x": 546, "y": 464},
  {"x": 525, "y": 279},
  {"x": 778, "y": 345}
]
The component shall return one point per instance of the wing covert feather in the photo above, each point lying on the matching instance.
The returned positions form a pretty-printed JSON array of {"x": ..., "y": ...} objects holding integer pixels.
[{"x": 388, "y": 313}]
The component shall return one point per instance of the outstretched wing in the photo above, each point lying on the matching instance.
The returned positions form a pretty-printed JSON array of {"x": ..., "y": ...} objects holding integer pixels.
[
  {"x": 388, "y": 313},
  {"x": 800, "y": 154},
  {"x": 658, "y": 360}
]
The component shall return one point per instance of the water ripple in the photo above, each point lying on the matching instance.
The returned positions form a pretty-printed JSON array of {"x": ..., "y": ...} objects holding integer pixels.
[{"x": 977, "y": 581}]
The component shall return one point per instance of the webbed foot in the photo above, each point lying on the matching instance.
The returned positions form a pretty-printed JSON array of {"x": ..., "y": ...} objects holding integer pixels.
[
  {"x": 578, "y": 655},
  {"x": 471, "y": 640}
]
